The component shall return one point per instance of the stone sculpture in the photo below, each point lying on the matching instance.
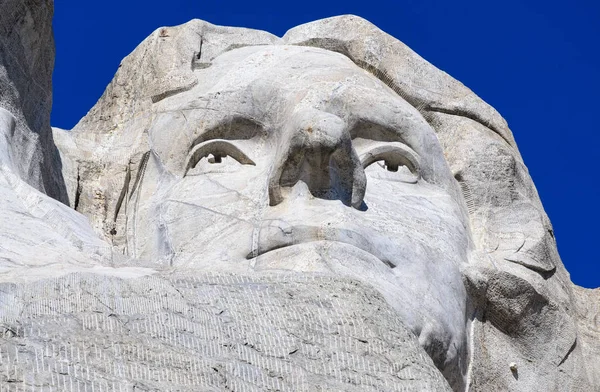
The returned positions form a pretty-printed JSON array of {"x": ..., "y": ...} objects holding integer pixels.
[{"x": 321, "y": 211}]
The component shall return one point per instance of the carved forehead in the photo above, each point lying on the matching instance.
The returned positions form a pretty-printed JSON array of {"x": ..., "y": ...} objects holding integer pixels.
[
  {"x": 295, "y": 65},
  {"x": 282, "y": 73},
  {"x": 265, "y": 82}
]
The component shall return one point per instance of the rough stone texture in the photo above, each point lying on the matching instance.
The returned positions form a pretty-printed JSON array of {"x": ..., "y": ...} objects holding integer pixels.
[
  {"x": 37, "y": 232},
  {"x": 322, "y": 211},
  {"x": 588, "y": 321},
  {"x": 299, "y": 132},
  {"x": 26, "y": 63},
  {"x": 208, "y": 332}
]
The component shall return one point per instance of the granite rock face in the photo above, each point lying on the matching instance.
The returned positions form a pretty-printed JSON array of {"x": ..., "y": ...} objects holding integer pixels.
[
  {"x": 38, "y": 229},
  {"x": 26, "y": 64},
  {"x": 322, "y": 211},
  {"x": 271, "y": 162},
  {"x": 209, "y": 332}
]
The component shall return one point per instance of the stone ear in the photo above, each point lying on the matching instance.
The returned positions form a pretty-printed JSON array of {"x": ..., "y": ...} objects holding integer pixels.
[
  {"x": 512, "y": 304},
  {"x": 505, "y": 300},
  {"x": 516, "y": 320}
]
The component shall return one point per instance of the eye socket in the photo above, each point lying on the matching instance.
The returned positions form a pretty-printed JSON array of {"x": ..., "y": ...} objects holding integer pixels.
[
  {"x": 218, "y": 149},
  {"x": 395, "y": 162}
]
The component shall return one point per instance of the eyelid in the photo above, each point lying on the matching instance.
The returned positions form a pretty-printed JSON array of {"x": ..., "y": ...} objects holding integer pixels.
[
  {"x": 219, "y": 146},
  {"x": 395, "y": 153}
]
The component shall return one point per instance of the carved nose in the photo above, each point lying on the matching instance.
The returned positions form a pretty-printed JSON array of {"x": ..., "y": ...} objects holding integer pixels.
[{"x": 317, "y": 150}]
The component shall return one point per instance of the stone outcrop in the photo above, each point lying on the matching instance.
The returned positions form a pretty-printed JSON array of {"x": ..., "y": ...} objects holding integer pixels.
[
  {"x": 26, "y": 64},
  {"x": 40, "y": 235},
  {"x": 321, "y": 211}
]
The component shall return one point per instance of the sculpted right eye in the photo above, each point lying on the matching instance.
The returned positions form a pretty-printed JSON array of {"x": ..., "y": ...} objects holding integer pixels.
[
  {"x": 219, "y": 149},
  {"x": 391, "y": 158}
]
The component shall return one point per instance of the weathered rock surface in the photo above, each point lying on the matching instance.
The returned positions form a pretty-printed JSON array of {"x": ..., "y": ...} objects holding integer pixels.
[
  {"x": 587, "y": 305},
  {"x": 39, "y": 235},
  {"x": 26, "y": 63},
  {"x": 322, "y": 211},
  {"x": 210, "y": 333},
  {"x": 295, "y": 133}
]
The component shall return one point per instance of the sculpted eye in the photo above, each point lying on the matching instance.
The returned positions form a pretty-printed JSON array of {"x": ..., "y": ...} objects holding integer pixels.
[
  {"x": 393, "y": 161},
  {"x": 218, "y": 149}
]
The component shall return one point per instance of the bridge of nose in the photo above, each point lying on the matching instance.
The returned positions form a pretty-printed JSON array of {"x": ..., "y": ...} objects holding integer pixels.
[{"x": 316, "y": 148}]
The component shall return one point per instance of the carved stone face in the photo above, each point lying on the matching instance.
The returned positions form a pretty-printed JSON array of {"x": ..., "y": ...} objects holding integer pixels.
[{"x": 288, "y": 158}]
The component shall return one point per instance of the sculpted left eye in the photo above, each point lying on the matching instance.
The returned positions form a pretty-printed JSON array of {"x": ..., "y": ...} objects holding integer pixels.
[{"x": 217, "y": 150}]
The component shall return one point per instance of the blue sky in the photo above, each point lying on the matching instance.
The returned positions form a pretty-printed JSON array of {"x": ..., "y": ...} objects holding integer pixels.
[{"x": 537, "y": 62}]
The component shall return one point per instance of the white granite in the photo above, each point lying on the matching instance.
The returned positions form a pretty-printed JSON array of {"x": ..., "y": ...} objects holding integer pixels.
[{"x": 322, "y": 211}]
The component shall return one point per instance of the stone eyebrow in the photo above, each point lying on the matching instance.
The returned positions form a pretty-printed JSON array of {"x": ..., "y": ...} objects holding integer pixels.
[
  {"x": 377, "y": 132},
  {"x": 234, "y": 127}
]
